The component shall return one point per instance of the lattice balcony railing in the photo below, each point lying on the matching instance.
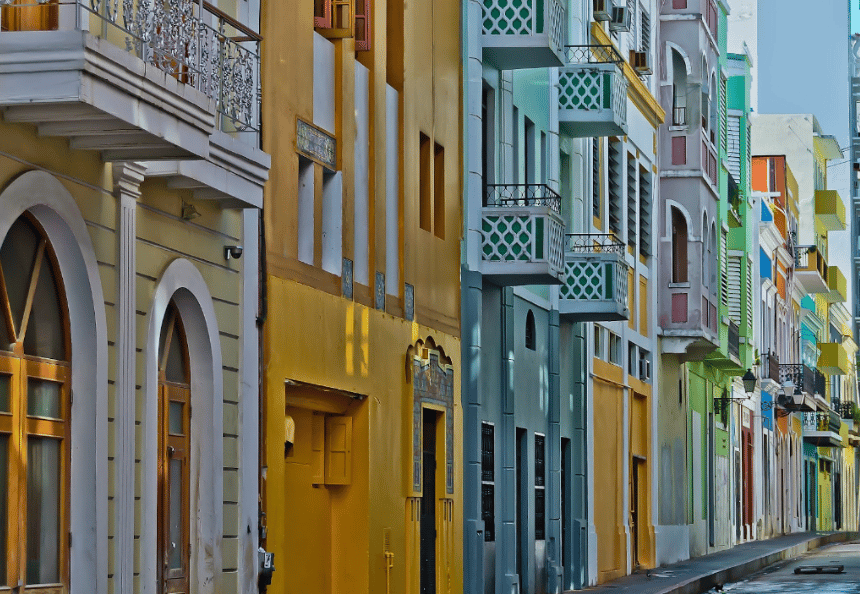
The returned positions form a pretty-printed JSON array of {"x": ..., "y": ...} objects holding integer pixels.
[
  {"x": 526, "y": 18},
  {"x": 519, "y": 195},
  {"x": 522, "y": 235},
  {"x": 588, "y": 88},
  {"x": 194, "y": 42},
  {"x": 595, "y": 269}
]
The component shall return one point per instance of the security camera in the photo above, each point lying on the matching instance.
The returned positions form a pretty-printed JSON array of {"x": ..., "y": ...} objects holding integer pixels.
[{"x": 232, "y": 251}]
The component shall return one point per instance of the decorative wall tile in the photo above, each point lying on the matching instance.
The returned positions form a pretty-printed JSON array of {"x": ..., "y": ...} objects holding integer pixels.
[
  {"x": 346, "y": 278},
  {"x": 379, "y": 302}
]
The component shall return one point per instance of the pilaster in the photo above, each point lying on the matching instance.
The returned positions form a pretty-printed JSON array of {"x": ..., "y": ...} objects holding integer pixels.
[{"x": 127, "y": 178}]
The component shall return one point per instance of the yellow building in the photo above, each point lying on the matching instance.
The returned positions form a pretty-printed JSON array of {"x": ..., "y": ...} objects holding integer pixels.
[{"x": 363, "y": 426}]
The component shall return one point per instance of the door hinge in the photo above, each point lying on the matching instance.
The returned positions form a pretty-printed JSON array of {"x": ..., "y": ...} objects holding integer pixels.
[{"x": 70, "y": 540}]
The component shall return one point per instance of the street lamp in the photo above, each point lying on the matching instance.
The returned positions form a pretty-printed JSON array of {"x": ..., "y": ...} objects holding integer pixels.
[
  {"x": 721, "y": 404},
  {"x": 789, "y": 397},
  {"x": 749, "y": 379}
]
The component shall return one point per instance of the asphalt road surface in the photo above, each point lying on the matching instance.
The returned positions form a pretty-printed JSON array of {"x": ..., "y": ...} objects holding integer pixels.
[{"x": 781, "y": 577}]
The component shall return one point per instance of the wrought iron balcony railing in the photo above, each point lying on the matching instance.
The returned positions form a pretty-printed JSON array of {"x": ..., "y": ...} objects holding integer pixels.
[
  {"x": 822, "y": 421},
  {"x": 802, "y": 376},
  {"x": 194, "y": 42},
  {"x": 845, "y": 409},
  {"x": 734, "y": 346},
  {"x": 592, "y": 54},
  {"x": 594, "y": 243},
  {"x": 519, "y": 195}
]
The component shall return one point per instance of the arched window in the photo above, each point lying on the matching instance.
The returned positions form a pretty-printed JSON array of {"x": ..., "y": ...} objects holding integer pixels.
[
  {"x": 679, "y": 247},
  {"x": 714, "y": 259},
  {"x": 531, "y": 339},
  {"x": 679, "y": 90},
  {"x": 174, "y": 394},
  {"x": 706, "y": 260},
  {"x": 35, "y": 413}
]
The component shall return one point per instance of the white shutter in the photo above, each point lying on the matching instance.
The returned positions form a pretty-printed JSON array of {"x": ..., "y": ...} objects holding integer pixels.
[
  {"x": 734, "y": 288},
  {"x": 749, "y": 292},
  {"x": 734, "y": 148}
]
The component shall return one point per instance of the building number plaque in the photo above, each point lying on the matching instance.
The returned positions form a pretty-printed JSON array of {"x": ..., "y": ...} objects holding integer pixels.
[{"x": 316, "y": 144}]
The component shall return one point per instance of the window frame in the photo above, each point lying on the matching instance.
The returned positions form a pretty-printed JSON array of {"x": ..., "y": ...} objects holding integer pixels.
[
  {"x": 173, "y": 446},
  {"x": 18, "y": 425}
]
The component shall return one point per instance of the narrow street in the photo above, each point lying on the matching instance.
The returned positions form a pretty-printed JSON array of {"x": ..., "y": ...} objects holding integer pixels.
[{"x": 781, "y": 577}]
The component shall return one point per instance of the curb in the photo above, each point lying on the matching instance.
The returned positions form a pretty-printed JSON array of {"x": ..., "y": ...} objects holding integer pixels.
[{"x": 703, "y": 583}]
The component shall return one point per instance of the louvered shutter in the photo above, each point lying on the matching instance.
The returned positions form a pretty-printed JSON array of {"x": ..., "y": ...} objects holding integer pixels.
[
  {"x": 734, "y": 288},
  {"x": 615, "y": 180},
  {"x": 644, "y": 213},
  {"x": 734, "y": 148},
  {"x": 632, "y": 227},
  {"x": 749, "y": 293},
  {"x": 723, "y": 113},
  {"x": 724, "y": 279}
]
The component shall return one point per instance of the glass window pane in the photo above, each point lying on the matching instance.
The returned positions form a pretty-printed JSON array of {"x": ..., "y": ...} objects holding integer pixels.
[
  {"x": 43, "y": 398},
  {"x": 4, "y": 392},
  {"x": 43, "y": 510},
  {"x": 175, "y": 553},
  {"x": 45, "y": 331},
  {"x": 4, "y": 487},
  {"x": 174, "y": 371},
  {"x": 17, "y": 256},
  {"x": 175, "y": 422}
]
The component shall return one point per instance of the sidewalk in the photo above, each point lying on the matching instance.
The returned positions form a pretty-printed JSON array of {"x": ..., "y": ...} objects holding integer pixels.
[{"x": 699, "y": 575}]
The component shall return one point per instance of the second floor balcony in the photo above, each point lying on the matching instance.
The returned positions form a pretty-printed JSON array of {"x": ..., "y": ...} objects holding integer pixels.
[
  {"x": 829, "y": 210},
  {"x": 837, "y": 285},
  {"x": 822, "y": 428},
  {"x": 592, "y": 96},
  {"x": 801, "y": 377},
  {"x": 595, "y": 287},
  {"x": 524, "y": 33},
  {"x": 810, "y": 269},
  {"x": 522, "y": 235},
  {"x": 134, "y": 80},
  {"x": 833, "y": 359}
]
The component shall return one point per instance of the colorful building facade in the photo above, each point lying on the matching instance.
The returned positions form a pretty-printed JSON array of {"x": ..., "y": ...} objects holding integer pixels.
[
  {"x": 131, "y": 188},
  {"x": 559, "y": 337},
  {"x": 362, "y": 373}
]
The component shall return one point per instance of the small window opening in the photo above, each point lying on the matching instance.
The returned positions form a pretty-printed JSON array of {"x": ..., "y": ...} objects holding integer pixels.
[{"x": 530, "y": 331}]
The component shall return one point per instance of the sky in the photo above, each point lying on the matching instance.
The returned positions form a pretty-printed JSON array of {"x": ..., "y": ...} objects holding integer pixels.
[{"x": 801, "y": 66}]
